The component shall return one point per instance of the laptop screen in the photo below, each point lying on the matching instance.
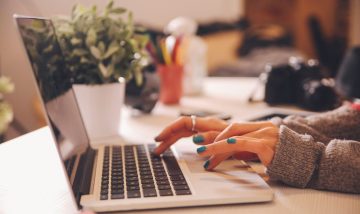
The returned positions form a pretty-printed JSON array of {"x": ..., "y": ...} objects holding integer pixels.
[{"x": 54, "y": 84}]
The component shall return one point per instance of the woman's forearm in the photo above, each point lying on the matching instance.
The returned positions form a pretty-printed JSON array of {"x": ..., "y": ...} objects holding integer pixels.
[{"x": 302, "y": 162}]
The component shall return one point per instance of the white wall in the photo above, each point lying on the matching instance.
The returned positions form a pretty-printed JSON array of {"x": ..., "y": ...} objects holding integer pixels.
[{"x": 157, "y": 13}]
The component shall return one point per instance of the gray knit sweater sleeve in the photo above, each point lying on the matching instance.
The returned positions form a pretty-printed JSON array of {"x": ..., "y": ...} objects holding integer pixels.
[{"x": 321, "y": 151}]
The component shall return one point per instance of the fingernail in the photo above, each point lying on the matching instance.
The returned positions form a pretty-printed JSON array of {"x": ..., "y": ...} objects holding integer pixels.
[
  {"x": 206, "y": 164},
  {"x": 201, "y": 149},
  {"x": 198, "y": 139},
  {"x": 231, "y": 140}
]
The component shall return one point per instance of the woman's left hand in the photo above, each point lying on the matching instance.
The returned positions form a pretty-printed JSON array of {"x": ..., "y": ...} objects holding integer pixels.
[{"x": 260, "y": 143}]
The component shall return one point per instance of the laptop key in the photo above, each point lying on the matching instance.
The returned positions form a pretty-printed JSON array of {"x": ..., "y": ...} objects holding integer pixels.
[
  {"x": 132, "y": 183},
  {"x": 148, "y": 186},
  {"x": 164, "y": 178},
  {"x": 160, "y": 174},
  {"x": 117, "y": 187},
  {"x": 177, "y": 178},
  {"x": 120, "y": 191},
  {"x": 146, "y": 177},
  {"x": 142, "y": 173},
  {"x": 166, "y": 192},
  {"x": 131, "y": 179},
  {"x": 149, "y": 193},
  {"x": 164, "y": 187},
  {"x": 177, "y": 183},
  {"x": 118, "y": 196},
  {"x": 147, "y": 181},
  {"x": 131, "y": 174},
  {"x": 103, "y": 197},
  {"x": 133, "y": 194},
  {"x": 183, "y": 192},
  {"x": 130, "y": 188},
  {"x": 181, "y": 187},
  {"x": 117, "y": 182},
  {"x": 163, "y": 182}
]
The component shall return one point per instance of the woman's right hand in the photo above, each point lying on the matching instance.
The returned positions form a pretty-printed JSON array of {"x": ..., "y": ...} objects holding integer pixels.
[{"x": 206, "y": 130}]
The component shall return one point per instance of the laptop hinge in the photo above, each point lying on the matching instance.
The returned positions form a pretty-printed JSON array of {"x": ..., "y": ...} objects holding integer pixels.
[{"x": 82, "y": 181}]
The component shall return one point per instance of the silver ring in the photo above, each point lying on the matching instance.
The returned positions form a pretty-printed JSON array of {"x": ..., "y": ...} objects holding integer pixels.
[{"x": 193, "y": 122}]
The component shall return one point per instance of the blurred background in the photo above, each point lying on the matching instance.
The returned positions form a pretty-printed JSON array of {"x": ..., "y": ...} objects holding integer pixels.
[{"x": 241, "y": 36}]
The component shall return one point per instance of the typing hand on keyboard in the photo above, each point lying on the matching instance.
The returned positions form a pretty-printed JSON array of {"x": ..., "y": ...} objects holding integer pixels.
[
  {"x": 205, "y": 128},
  {"x": 246, "y": 140}
]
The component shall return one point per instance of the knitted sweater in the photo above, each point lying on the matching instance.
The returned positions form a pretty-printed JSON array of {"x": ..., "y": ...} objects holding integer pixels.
[{"x": 320, "y": 151}]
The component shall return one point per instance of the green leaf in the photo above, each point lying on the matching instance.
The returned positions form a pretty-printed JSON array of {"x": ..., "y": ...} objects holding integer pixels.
[
  {"x": 111, "y": 50},
  {"x": 6, "y": 116},
  {"x": 6, "y": 86},
  {"x": 95, "y": 52},
  {"x": 79, "y": 52},
  {"x": 101, "y": 47},
  {"x": 84, "y": 60},
  {"x": 75, "y": 41},
  {"x": 138, "y": 76},
  {"x": 103, "y": 70},
  {"x": 110, "y": 5},
  {"x": 118, "y": 10},
  {"x": 91, "y": 37},
  {"x": 110, "y": 70}
]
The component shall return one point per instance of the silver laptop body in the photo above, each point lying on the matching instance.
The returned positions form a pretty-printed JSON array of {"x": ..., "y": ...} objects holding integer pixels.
[{"x": 125, "y": 176}]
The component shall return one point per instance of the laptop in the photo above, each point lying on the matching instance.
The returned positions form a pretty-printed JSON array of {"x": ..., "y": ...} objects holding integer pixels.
[{"x": 125, "y": 176}]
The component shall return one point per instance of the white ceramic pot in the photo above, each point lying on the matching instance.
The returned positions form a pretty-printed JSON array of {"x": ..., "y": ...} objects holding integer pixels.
[{"x": 100, "y": 107}]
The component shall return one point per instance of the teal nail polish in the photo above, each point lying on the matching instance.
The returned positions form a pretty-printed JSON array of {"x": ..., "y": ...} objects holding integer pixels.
[
  {"x": 206, "y": 164},
  {"x": 231, "y": 140},
  {"x": 201, "y": 149},
  {"x": 198, "y": 139}
]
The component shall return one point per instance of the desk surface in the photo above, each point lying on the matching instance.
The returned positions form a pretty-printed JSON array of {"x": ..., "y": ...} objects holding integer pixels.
[{"x": 230, "y": 95}]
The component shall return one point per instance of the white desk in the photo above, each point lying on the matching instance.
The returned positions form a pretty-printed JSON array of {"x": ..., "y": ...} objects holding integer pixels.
[
  {"x": 227, "y": 95},
  {"x": 230, "y": 95}
]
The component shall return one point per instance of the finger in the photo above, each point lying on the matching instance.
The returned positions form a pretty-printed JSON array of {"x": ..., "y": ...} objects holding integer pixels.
[
  {"x": 184, "y": 123},
  {"x": 246, "y": 156},
  {"x": 215, "y": 160},
  {"x": 178, "y": 125},
  {"x": 238, "y": 129},
  {"x": 226, "y": 146},
  {"x": 239, "y": 144},
  {"x": 205, "y": 138},
  {"x": 163, "y": 146}
]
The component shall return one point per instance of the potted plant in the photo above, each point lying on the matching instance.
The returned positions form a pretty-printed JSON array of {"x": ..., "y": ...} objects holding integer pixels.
[
  {"x": 6, "y": 113},
  {"x": 102, "y": 51}
]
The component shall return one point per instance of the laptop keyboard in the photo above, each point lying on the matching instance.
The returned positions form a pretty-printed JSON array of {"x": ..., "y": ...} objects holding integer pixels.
[{"x": 132, "y": 172}]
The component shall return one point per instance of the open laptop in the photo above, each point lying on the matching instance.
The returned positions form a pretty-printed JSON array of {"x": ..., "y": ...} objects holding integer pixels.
[{"x": 118, "y": 176}]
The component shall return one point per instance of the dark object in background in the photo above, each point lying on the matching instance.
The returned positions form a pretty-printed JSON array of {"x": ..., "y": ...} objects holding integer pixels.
[
  {"x": 218, "y": 27},
  {"x": 301, "y": 84},
  {"x": 264, "y": 36},
  {"x": 144, "y": 97},
  {"x": 348, "y": 77},
  {"x": 329, "y": 51}
]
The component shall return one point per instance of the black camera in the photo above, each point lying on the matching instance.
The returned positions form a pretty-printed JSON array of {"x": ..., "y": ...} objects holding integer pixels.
[{"x": 300, "y": 83}]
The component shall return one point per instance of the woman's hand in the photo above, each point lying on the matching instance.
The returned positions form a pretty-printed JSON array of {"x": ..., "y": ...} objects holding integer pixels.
[
  {"x": 207, "y": 129},
  {"x": 232, "y": 141}
]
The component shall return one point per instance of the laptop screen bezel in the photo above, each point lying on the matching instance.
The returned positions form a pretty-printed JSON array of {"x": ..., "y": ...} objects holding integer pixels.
[{"x": 76, "y": 199}]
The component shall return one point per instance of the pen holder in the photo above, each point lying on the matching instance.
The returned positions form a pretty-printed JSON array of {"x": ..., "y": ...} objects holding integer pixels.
[{"x": 171, "y": 78}]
